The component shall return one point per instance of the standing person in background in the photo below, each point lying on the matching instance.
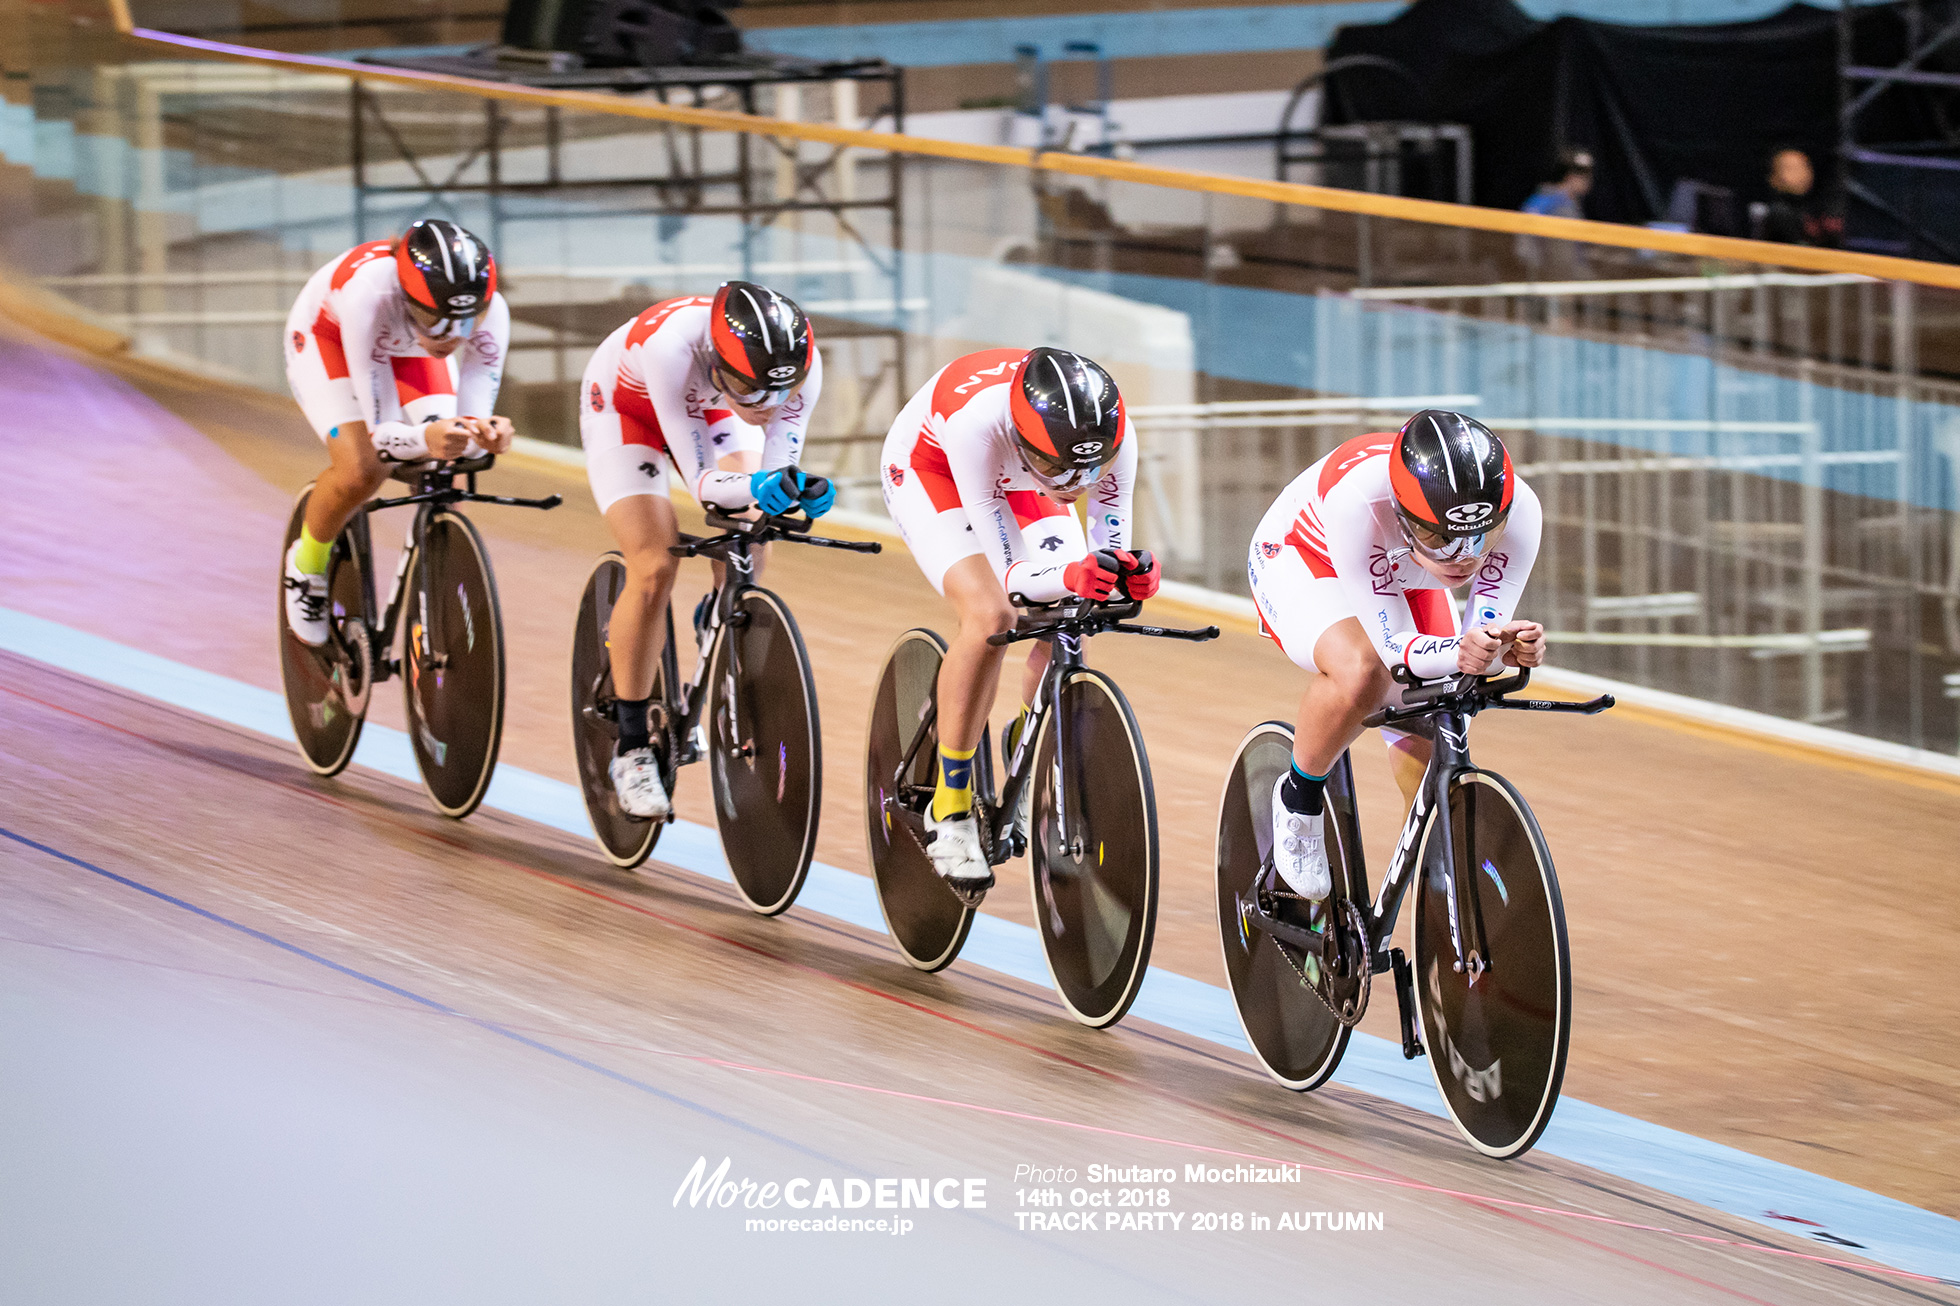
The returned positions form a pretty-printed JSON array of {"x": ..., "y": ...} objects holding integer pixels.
[
  {"x": 1792, "y": 216},
  {"x": 1562, "y": 196},
  {"x": 1558, "y": 198}
]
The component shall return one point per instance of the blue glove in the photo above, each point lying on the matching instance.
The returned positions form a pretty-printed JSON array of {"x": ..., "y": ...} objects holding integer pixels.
[
  {"x": 818, "y": 495},
  {"x": 776, "y": 491}
]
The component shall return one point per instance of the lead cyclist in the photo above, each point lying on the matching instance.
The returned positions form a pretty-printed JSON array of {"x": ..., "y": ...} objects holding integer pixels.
[
  {"x": 1351, "y": 569},
  {"x": 395, "y": 353}
]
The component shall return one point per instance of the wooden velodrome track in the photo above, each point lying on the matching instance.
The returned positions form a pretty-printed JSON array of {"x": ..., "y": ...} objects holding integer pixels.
[{"x": 313, "y": 1033}]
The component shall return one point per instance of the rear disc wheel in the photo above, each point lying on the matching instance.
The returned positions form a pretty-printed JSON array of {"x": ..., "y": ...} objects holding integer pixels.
[
  {"x": 1292, "y": 1032},
  {"x": 927, "y": 921},
  {"x": 626, "y": 840},
  {"x": 327, "y": 687}
]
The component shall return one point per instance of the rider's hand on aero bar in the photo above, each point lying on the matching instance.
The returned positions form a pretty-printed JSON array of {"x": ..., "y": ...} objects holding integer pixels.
[
  {"x": 1141, "y": 574},
  {"x": 783, "y": 490},
  {"x": 1094, "y": 576}
]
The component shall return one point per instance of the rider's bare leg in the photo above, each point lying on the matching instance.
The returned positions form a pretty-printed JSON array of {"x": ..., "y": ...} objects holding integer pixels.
[
  {"x": 1351, "y": 683},
  {"x": 970, "y": 674},
  {"x": 1408, "y": 757},
  {"x": 351, "y": 478},
  {"x": 644, "y": 527}
]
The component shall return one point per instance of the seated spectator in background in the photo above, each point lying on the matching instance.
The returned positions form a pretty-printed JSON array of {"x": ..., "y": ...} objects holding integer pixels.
[
  {"x": 1560, "y": 198},
  {"x": 1793, "y": 216},
  {"x": 1558, "y": 260}
]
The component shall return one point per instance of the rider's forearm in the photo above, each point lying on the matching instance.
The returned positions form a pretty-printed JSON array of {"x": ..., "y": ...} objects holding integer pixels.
[
  {"x": 1039, "y": 583},
  {"x": 1430, "y": 657},
  {"x": 399, "y": 442},
  {"x": 728, "y": 490}
]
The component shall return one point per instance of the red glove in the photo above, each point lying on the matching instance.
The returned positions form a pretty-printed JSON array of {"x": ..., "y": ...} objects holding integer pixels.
[
  {"x": 1094, "y": 576},
  {"x": 1141, "y": 574}
]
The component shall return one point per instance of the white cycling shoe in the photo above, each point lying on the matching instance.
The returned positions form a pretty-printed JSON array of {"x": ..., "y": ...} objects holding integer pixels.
[
  {"x": 1300, "y": 849},
  {"x": 636, "y": 781},
  {"x": 308, "y": 605},
  {"x": 954, "y": 847}
]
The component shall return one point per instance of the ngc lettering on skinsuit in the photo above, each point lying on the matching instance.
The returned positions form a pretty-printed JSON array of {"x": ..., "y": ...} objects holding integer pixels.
[{"x": 1491, "y": 575}]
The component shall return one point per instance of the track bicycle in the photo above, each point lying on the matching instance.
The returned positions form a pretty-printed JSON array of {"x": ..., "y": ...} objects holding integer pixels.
[
  {"x": 1078, "y": 793},
  {"x": 751, "y": 711},
  {"x": 1491, "y": 980},
  {"x": 444, "y": 603}
]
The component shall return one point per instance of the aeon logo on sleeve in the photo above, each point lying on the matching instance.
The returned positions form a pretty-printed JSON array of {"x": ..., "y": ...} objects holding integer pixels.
[{"x": 1381, "y": 571}]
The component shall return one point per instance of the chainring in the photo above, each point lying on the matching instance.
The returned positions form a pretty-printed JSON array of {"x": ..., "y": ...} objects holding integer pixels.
[{"x": 1345, "y": 995}]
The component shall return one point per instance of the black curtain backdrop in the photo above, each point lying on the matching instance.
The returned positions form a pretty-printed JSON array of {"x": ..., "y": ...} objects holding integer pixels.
[{"x": 1651, "y": 104}]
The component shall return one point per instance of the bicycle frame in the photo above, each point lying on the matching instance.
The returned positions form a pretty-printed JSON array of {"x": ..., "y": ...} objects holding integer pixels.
[
  {"x": 733, "y": 548},
  {"x": 1448, "y": 704},
  {"x": 435, "y": 487},
  {"x": 1065, "y": 635}
]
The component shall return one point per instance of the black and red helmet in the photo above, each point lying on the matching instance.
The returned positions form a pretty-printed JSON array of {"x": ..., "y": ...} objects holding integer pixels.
[
  {"x": 1453, "y": 483},
  {"x": 1068, "y": 417},
  {"x": 445, "y": 270},
  {"x": 762, "y": 340}
]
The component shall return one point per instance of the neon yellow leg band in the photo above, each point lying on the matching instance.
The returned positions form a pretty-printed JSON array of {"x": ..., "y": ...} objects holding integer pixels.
[
  {"x": 312, "y": 556},
  {"x": 955, "y": 792}
]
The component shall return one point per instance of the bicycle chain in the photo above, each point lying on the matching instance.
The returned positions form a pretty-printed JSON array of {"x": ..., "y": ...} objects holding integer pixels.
[{"x": 1354, "y": 923}]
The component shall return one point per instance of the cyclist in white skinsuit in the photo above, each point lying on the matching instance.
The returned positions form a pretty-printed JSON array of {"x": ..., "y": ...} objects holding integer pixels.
[
  {"x": 720, "y": 388},
  {"x": 1351, "y": 569},
  {"x": 979, "y": 469},
  {"x": 395, "y": 352}
]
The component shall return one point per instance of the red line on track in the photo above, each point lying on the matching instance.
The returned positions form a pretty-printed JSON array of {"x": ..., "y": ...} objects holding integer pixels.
[{"x": 1505, "y": 1207}]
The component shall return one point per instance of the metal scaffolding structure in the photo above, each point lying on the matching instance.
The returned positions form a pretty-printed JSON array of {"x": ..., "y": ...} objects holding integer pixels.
[
  {"x": 533, "y": 164},
  {"x": 1931, "y": 37}
]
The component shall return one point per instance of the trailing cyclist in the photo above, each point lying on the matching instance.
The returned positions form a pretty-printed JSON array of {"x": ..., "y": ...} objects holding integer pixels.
[
  {"x": 979, "y": 469},
  {"x": 395, "y": 352},
  {"x": 1351, "y": 569},
  {"x": 721, "y": 387}
]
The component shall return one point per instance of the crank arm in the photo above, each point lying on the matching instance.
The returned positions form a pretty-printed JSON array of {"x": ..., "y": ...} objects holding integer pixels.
[{"x": 1304, "y": 940}]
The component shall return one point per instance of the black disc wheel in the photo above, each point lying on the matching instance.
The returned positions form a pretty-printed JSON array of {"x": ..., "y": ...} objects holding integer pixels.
[
  {"x": 765, "y": 751},
  {"x": 453, "y": 664},
  {"x": 1293, "y": 1033},
  {"x": 1093, "y": 847},
  {"x": 927, "y": 920},
  {"x": 1497, "y": 1025},
  {"x": 327, "y": 687},
  {"x": 626, "y": 839}
]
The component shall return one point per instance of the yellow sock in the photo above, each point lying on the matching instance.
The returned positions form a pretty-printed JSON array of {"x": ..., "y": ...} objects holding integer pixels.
[
  {"x": 313, "y": 555},
  {"x": 955, "y": 792}
]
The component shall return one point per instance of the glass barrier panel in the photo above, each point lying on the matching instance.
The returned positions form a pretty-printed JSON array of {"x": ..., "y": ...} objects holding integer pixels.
[{"x": 1750, "y": 472}]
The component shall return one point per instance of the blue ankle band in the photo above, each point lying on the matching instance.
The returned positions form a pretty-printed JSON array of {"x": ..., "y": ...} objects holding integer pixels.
[{"x": 1298, "y": 774}]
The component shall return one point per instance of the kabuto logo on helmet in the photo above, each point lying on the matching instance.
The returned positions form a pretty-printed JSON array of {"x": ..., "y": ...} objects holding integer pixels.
[
  {"x": 1089, "y": 447},
  {"x": 781, "y": 373},
  {"x": 461, "y": 301},
  {"x": 1468, "y": 514}
]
